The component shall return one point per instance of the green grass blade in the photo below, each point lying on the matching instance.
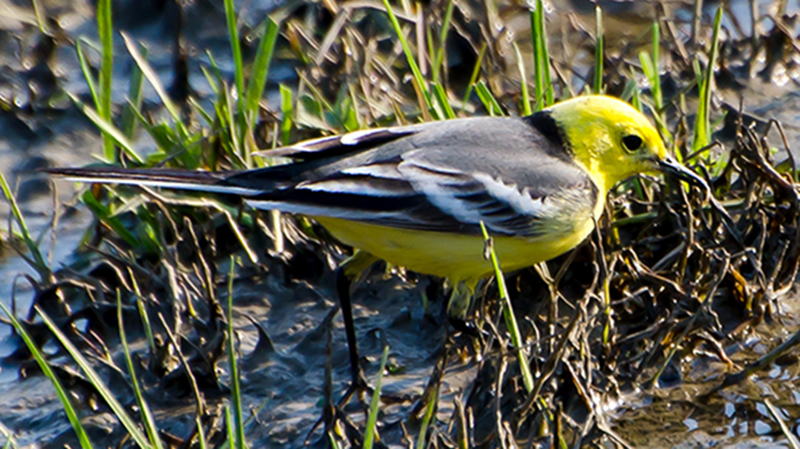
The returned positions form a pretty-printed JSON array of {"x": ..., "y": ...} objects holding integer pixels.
[
  {"x": 650, "y": 67},
  {"x": 288, "y": 115},
  {"x": 476, "y": 71},
  {"x": 508, "y": 314},
  {"x": 108, "y": 129},
  {"x": 598, "y": 51},
  {"x": 426, "y": 420},
  {"x": 201, "y": 434},
  {"x": 541, "y": 58},
  {"x": 372, "y": 419},
  {"x": 650, "y": 72},
  {"x": 202, "y": 112},
  {"x": 144, "y": 409},
  {"x": 40, "y": 265},
  {"x": 236, "y": 52},
  {"x": 231, "y": 429},
  {"x": 103, "y": 213},
  {"x": 412, "y": 63},
  {"x": 62, "y": 394},
  {"x": 260, "y": 69},
  {"x": 357, "y": 113},
  {"x": 11, "y": 440},
  {"x": 702, "y": 126},
  {"x": 332, "y": 440},
  {"x": 630, "y": 90},
  {"x": 236, "y": 393},
  {"x": 87, "y": 73},
  {"x": 538, "y": 81},
  {"x": 227, "y": 118},
  {"x": 523, "y": 80},
  {"x": 211, "y": 79},
  {"x": 105, "y": 31},
  {"x": 442, "y": 101},
  {"x": 437, "y": 64},
  {"x": 130, "y": 426},
  {"x": 488, "y": 100},
  {"x": 655, "y": 79},
  {"x": 154, "y": 81},
  {"x": 10, "y": 443},
  {"x": 636, "y": 100},
  {"x": 40, "y": 18},
  {"x": 135, "y": 97},
  {"x": 140, "y": 307}
]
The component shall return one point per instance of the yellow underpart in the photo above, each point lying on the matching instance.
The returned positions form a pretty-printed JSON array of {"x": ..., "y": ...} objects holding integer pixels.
[{"x": 457, "y": 257}]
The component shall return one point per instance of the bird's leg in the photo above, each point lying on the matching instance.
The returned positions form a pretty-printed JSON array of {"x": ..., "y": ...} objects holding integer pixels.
[
  {"x": 458, "y": 308},
  {"x": 348, "y": 272}
]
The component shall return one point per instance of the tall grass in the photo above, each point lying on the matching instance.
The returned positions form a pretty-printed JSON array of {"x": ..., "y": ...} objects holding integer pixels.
[
  {"x": 372, "y": 419},
  {"x": 598, "y": 53},
  {"x": 508, "y": 314},
  {"x": 63, "y": 395},
  {"x": 541, "y": 58},
  {"x": 145, "y": 414},
  {"x": 426, "y": 103},
  {"x": 702, "y": 125},
  {"x": 105, "y": 29},
  {"x": 34, "y": 258},
  {"x": 237, "y": 429},
  {"x": 652, "y": 71}
]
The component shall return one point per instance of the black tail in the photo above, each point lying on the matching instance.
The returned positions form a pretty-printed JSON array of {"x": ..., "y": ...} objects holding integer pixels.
[{"x": 203, "y": 181}]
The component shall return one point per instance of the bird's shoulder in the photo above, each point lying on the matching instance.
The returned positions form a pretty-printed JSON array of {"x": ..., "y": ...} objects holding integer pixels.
[{"x": 509, "y": 136}]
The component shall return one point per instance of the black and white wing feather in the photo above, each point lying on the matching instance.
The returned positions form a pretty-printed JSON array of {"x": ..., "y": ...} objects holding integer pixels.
[
  {"x": 515, "y": 175},
  {"x": 413, "y": 193}
]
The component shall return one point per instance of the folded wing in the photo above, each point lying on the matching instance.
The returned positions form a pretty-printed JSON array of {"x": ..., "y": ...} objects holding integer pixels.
[{"x": 410, "y": 192}]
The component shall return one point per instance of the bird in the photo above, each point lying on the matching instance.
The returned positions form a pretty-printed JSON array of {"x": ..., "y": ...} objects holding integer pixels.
[{"x": 416, "y": 196}]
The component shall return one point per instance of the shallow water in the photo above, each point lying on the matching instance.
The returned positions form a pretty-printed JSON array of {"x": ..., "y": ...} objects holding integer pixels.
[{"x": 290, "y": 380}]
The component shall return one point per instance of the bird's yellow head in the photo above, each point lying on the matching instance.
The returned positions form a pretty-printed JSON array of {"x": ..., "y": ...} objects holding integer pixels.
[{"x": 610, "y": 138}]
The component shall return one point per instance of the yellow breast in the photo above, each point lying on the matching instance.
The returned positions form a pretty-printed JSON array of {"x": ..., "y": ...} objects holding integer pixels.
[{"x": 457, "y": 257}]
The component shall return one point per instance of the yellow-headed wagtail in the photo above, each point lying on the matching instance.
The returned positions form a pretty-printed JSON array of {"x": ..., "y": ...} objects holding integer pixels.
[{"x": 416, "y": 195}]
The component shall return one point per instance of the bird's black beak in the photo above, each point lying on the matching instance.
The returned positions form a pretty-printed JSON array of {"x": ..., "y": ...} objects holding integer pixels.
[{"x": 675, "y": 168}]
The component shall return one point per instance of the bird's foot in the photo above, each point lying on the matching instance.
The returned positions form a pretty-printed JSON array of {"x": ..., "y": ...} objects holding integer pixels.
[{"x": 360, "y": 387}]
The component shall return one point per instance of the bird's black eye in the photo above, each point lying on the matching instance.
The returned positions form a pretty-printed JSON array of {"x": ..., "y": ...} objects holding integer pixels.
[{"x": 632, "y": 142}]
